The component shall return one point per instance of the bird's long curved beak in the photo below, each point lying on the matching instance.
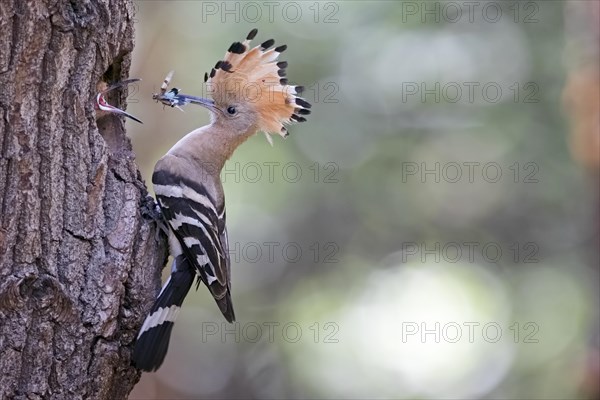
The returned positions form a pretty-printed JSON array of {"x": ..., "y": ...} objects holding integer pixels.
[
  {"x": 103, "y": 105},
  {"x": 121, "y": 84},
  {"x": 201, "y": 101}
]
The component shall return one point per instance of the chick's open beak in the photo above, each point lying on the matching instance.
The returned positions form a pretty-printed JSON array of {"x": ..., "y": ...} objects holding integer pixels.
[{"x": 103, "y": 105}]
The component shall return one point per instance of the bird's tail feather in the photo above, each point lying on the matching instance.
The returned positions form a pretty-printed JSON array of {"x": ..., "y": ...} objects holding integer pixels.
[
  {"x": 226, "y": 307},
  {"x": 153, "y": 340}
]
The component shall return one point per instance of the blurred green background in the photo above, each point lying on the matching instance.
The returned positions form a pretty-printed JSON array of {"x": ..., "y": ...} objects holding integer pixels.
[{"x": 430, "y": 232}]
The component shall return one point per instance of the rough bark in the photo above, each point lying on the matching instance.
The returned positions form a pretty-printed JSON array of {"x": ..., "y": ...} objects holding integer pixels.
[{"x": 79, "y": 256}]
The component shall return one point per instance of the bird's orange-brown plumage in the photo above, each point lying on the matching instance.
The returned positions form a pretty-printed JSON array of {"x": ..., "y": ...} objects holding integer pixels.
[{"x": 256, "y": 76}]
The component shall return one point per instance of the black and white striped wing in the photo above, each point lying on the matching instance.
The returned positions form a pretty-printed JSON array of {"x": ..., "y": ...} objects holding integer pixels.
[
  {"x": 192, "y": 216},
  {"x": 225, "y": 243}
]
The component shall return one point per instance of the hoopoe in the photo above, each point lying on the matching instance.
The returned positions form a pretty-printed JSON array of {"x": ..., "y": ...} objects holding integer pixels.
[
  {"x": 249, "y": 94},
  {"x": 102, "y": 107}
]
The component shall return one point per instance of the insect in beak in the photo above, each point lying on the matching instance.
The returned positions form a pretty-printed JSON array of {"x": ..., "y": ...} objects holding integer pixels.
[{"x": 173, "y": 97}]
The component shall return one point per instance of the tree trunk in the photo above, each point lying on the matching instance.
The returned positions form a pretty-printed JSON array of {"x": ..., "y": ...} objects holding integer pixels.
[{"x": 79, "y": 255}]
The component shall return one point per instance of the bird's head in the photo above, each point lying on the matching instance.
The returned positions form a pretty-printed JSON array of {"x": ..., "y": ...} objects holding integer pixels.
[{"x": 250, "y": 92}]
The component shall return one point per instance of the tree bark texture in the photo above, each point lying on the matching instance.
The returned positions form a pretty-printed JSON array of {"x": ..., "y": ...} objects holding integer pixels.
[{"x": 79, "y": 254}]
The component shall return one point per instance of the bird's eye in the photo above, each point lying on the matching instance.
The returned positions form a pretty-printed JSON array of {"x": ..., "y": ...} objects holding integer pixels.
[{"x": 231, "y": 110}]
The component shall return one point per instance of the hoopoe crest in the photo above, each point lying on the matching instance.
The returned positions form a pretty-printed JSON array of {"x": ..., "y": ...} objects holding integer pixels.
[{"x": 256, "y": 79}]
